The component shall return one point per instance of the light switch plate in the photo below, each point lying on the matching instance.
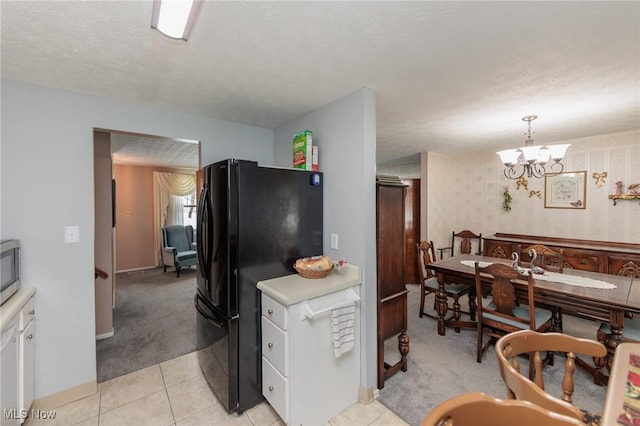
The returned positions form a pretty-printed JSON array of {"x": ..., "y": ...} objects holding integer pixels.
[
  {"x": 334, "y": 241},
  {"x": 71, "y": 234}
]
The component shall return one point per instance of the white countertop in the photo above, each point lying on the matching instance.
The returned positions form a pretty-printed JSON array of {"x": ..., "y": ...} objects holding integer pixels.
[
  {"x": 11, "y": 307},
  {"x": 292, "y": 289}
]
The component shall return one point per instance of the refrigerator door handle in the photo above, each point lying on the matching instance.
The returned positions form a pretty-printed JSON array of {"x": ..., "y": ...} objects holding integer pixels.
[
  {"x": 213, "y": 321},
  {"x": 203, "y": 214}
]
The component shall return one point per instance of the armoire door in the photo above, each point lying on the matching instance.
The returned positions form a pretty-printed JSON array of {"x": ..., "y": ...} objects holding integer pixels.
[{"x": 411, "y": 230}]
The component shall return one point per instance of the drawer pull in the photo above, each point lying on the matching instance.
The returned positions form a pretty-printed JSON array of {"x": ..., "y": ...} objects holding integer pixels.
[
  {"x": 270, "y": 388},
  {"x": 270, "y": 311},
  {"x": 583, "y": 262},
  {"x": 270, "y": 344},
  {"x": 30, "y": 336},
  {"x": 31, "y": 312}
]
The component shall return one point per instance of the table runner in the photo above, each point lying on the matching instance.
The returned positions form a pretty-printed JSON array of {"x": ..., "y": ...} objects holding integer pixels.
[{"x": 557, "y": 277}]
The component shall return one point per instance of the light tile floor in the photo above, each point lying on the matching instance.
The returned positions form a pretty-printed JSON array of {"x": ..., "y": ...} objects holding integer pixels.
[{"x": 175, "y": 393}]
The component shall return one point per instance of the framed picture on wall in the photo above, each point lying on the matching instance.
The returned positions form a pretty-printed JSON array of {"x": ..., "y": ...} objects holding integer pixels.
[{"x": 565, "y": 191}]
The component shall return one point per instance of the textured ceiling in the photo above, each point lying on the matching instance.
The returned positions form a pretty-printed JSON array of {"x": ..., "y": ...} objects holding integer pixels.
[
  {"x": 451, "y": 77},
  {"x": 154, "y": 151}
]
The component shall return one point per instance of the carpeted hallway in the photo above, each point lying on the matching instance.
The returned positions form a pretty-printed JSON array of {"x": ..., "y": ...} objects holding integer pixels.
[{"x": 154, "y": 320}]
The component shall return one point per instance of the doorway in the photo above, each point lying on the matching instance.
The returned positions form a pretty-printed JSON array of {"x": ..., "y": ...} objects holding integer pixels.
[{"x": 133, "y": 300}]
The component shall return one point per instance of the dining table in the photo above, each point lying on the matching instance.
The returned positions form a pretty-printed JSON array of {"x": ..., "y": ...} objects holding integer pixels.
[{"x": 591, "y": 295}]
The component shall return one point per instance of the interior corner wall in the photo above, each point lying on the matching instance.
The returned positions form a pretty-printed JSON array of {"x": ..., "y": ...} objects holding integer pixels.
[
  {"x": 436, "y": 180},
  {"x": 103, "y": 236},
  {"x": 47, "y": 157},
  {"x": 135, "y": 232},
  {"x": 470, "y": 196},
  {"x": 345, "y": 133},
  {"x": 134, "y": 218}
]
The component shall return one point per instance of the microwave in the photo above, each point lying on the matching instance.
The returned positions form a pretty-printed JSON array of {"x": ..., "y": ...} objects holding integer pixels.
[{"x": 9, "y": 268}]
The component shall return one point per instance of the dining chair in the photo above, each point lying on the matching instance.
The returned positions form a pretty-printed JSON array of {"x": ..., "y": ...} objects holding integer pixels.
[
  {"x": 465, "y": 239},
  {"x": 479, "y": 409},
  {"x": 630, "y": 333},
  {"x": 502, "y": 314},
  {"x": 520, "y": 387},
  {"x": 429, "y": 284},
  {"x": 546, "y": 258}
]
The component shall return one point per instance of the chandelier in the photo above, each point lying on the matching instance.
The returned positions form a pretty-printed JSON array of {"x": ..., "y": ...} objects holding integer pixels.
[{"x": 532, "y": 159}]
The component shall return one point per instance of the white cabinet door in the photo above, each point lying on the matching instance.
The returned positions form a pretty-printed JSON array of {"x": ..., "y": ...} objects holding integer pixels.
[
  {"x": 25, "y": 386},
  {"x": 9, "y": 366}
]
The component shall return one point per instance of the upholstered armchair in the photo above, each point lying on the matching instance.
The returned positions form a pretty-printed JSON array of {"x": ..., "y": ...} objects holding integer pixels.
[{"x": 178, "y": 248}]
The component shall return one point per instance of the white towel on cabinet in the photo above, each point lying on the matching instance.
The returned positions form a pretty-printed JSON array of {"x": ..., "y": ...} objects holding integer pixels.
[{"x": 342, "y": 329}]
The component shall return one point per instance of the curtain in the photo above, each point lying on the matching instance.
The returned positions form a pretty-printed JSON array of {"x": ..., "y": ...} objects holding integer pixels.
[
  {"x": 168, "y": 188},
  {"x": 175, "y": 211}
]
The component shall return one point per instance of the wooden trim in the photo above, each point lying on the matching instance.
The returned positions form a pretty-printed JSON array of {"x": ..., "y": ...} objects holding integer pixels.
[
  {"x": 570, "y": 242},
  {"x": 367, "y": 395},
  {"x": 394, "y": 296},
  {"x": 100, "y": 273},
  {"x": 66, "y": 396}
]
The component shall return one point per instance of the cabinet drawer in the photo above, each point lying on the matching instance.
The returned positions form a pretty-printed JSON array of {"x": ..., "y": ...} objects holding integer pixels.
[
  {"x": 275, "y": 389},
  {"x": 583, "y": 260},
  {"x": 274, "y": 346},
  {"x": 275, "y": 312},
  {"x": 27, "y": 313}
]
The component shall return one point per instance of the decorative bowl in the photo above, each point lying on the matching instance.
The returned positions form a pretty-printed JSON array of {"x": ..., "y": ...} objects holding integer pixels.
[{"x": 313, "y": 273}]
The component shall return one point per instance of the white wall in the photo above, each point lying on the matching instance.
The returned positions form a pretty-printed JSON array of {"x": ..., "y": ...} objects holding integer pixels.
[
  {"x": 345, "y": 133},
  {"x": 47, "y": 183},
  {"x": 466, "y": 193}
]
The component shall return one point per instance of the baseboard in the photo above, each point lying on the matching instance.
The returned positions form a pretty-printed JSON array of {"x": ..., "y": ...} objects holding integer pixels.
[
  {"x": 138, "y": 269},
  {"x": 367, "y": 395},
  {"x": 105, "y": 335},
  {"x": 66, "y": 396}
]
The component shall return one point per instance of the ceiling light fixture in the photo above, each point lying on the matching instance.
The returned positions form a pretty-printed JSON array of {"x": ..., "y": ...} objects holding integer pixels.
[
  {"x": 532, "y": 158},
  {"x": 175, "y": 18}
]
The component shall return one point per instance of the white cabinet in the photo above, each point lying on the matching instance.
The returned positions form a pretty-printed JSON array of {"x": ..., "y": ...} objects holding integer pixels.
[
  {"x": 17, "y": 318},
  {"x": 302, "y": 378},
  {"x": 25, "y": 377},
  {"x": 9, "y": 371}
]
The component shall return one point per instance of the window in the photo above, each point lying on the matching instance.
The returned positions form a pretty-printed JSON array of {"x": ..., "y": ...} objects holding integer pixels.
[{"x": 189, "y": 209}]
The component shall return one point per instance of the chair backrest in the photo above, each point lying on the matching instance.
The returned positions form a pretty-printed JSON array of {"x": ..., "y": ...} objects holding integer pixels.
[
  {"x": 510, "y": 346},
  {"x": 426, "y": 254},
  {"x": 479, "y": 409},
  {"x": 466, "y": 239},
  {"x": 547, "y": 258},
  {"x": 178, "y": 236},
  {"x": 504, "y": 295}
]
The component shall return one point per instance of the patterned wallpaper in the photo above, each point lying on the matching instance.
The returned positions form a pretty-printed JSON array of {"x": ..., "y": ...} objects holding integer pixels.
[{"x": 466, "y": 193}]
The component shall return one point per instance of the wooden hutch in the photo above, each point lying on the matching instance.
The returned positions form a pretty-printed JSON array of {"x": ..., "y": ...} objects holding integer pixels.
[{"x": 392, "y": 291}]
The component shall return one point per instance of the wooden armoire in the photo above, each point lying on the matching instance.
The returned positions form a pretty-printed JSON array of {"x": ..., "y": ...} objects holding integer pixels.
[{"x": 392, "y": 291}]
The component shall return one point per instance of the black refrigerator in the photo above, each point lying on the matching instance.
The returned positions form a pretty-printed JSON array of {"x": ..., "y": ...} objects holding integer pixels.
[{"x": 253, "y": 223}]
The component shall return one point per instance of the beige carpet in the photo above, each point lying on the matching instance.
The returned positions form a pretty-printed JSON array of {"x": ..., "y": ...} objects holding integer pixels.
[
  {"x": 154, "y": 321},
  {"x": 441, "y": 367}
]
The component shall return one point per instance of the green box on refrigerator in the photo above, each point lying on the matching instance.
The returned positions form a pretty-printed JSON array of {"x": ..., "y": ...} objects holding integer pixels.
[{"x": 303, "y": 150}]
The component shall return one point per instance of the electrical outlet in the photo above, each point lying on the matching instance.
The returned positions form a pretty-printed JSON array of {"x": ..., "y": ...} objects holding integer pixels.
[{"x": 334, "y": 241}]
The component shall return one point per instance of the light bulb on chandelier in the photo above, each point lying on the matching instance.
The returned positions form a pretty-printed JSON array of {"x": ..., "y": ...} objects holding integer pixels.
[{"x": 532, "y": 159}]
